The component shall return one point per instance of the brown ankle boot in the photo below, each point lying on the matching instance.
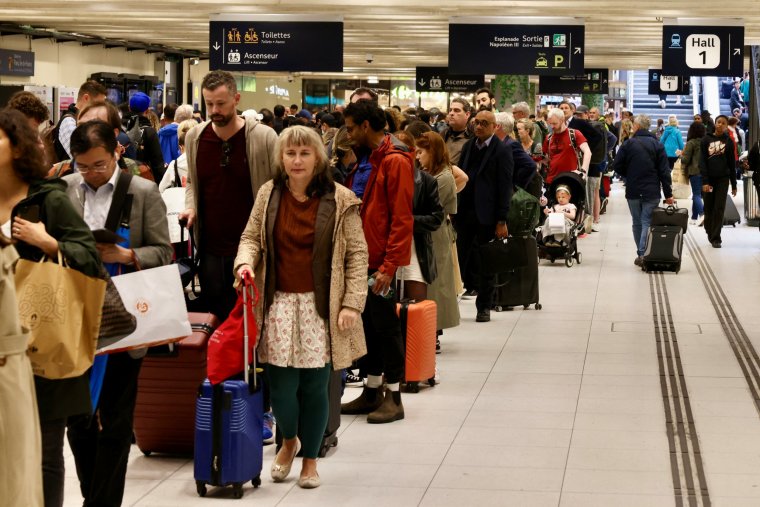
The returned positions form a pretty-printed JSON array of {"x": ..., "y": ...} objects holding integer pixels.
[
  {"x": 368, "y": 401},
  {"x": 391, "y": 410}
]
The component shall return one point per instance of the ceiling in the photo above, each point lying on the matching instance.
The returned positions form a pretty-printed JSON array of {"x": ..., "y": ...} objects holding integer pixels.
[{"x": 400, "y": 34}]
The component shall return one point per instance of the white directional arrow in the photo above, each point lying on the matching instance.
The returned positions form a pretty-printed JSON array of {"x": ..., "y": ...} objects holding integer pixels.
[
  {"x": 737, "y": 51},
  {"x": 421, "y": 82},
  {"x": 577, "y": 51},
  {"x": 216, "y": 46}
]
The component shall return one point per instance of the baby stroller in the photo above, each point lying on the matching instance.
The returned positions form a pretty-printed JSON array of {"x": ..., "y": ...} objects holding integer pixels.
[{"x": 569, "y": 247}]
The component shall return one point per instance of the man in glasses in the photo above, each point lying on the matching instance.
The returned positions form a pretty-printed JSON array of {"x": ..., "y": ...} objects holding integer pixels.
[
  {"x": 228, "y": 159},
  {"x": 484, "y": 202}
]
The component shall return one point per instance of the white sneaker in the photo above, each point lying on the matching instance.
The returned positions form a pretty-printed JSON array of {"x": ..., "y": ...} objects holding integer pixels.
[
  {"x": 596, "y": 227},
  {"x": 692, "y": 221}
]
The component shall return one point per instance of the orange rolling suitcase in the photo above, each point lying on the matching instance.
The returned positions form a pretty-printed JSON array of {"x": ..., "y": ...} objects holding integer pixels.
[
  {"x": 167, "y": 389},
  {"x": 418, "y": 329}
]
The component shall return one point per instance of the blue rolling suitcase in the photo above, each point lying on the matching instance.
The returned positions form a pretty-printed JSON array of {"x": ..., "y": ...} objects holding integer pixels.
[{"x": 228, "y": 426}]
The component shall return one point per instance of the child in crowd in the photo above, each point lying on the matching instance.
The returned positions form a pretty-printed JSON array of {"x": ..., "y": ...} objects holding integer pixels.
[{"x": 555, "y": 230}]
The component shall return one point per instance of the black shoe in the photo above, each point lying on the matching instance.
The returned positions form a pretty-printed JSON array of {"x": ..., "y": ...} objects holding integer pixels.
[
  {"x": 603, "y": 208},
  {"x": 353, "y": 380},
  {"x": 483, "y": 316},
  {"x": 437, "y": 345},
  {"x": 716, "y": 244},
  {"x": 470, "y": 293}
]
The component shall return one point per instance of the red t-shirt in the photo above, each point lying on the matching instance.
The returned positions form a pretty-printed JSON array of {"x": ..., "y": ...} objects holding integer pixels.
[
  {"x": 562, "y": 157},
  {"x": 226, "y": 197}
]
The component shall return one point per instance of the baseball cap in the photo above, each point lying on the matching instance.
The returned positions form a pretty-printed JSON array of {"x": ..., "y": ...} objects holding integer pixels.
[{"x": 139, "y": 102}]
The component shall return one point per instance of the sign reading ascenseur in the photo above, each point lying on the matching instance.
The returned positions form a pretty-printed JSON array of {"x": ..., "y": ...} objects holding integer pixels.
[
  {"x": 698, "y": 47},
  {"x": 276, "y": 43},
  {"x": 438, "y": 79},
  {"x": 513, "y": 45}
]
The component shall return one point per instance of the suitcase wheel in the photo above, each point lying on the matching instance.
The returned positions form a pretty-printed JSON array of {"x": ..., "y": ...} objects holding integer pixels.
[
  {"x": 552, "y": 260},
  {"x": 538, "y": 306},
  {"x": 497, "y": 308},
  {"x": 431, "y": 381},
  {"x": 237, "y": 490},
  {"x": 147, "y": 453},
  {"x": 200, "y": 487},
  {"x": 412, "y": 387},
  {"x": 525, "y": 307},
  {"x": 256, "y": 481}
]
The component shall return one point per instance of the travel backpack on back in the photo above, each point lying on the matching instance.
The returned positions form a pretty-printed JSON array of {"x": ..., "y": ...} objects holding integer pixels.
[
  {"x": 50, "y": 137},
  {"x": 135, "y": 135},
  {"x": 599, "y": 152}
]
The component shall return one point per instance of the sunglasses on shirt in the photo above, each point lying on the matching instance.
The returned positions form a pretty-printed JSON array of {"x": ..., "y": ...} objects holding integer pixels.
[{"x": 226, "y": 151}]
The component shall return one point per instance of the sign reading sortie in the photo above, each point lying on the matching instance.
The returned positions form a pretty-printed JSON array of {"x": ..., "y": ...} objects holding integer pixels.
[{"x": 276, "y": 43}]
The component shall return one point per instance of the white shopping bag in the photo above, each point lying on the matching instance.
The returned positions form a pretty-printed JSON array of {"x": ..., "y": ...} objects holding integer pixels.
[
  {"x": 174, "y": 198},
  {"x": 155, "y": 297},
  {"x": 556, "y": 223}
]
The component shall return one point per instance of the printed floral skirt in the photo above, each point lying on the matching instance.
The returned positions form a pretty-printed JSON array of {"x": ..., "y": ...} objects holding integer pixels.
[{"x": 294, "y": 334}]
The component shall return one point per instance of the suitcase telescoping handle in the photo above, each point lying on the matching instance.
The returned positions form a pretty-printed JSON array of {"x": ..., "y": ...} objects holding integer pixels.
[{"x": 249, "y": 292}]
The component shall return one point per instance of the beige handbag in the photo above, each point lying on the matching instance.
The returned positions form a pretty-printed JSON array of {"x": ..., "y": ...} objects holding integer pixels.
[{"x": 62, "y": 308}]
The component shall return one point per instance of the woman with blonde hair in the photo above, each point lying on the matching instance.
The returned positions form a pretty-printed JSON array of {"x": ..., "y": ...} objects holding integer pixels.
[
  {"x": 305, "y": 244},
  {"x": 672, "y": 139}
]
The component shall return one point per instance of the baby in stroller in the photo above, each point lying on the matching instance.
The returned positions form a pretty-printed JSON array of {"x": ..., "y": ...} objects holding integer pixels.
[
  {"x": 567, "y": 195},
  {"x": 560, "y": 218}
]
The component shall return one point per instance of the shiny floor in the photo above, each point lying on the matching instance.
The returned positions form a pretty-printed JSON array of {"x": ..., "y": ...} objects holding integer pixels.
[{"x": 558, "y": 407}]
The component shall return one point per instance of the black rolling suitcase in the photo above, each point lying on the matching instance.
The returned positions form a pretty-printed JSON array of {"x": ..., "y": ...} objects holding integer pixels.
[
  {"x": 334, "y": 394},
  {"x": 663, "y": 250},
  {"x": 671, "y": 215},
  {"x": 519, "y": 287},
  {"x": 730, "y": 213}
]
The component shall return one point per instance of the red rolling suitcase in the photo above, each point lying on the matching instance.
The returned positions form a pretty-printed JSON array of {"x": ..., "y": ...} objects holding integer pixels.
[
  {"x": 418, "y": 329},
  {"x": 167, "y": 390}
]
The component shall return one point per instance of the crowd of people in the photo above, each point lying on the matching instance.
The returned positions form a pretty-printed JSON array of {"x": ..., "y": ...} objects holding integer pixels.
[{"x": 328, "y": 213}]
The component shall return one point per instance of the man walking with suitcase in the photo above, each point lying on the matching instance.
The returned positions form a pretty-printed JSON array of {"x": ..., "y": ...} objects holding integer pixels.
[
  {"x": 718, "y": 166},
  {"x": 644, "y": 164}
]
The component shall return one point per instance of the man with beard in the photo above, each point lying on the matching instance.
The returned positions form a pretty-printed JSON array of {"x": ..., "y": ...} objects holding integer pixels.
[{"x": 228, "y": 159}]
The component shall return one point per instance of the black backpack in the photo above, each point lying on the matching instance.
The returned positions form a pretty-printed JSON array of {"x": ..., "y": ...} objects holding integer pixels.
[
  {"x": 50, "y": 137},
  {"x": 599, "y": 151}
]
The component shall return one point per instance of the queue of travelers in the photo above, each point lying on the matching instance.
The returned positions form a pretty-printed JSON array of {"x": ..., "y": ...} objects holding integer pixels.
[{"x": 326, "y": 213}]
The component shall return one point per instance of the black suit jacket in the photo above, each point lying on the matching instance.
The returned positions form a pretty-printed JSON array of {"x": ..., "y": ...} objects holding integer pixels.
[{"x": 492, "y": 180}]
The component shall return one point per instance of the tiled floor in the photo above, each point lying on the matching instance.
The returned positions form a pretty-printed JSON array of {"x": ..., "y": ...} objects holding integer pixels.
[{"x": 558, "y": 407}]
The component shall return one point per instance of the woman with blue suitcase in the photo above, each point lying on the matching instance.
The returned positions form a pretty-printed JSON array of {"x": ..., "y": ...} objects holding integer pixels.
[{"x": 305, "y": 245}]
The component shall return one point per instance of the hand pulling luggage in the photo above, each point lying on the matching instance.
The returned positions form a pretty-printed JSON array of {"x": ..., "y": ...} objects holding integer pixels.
[
  {"x": 167, "y": 388},
  {"x": 330, "y": 439},
  {"x": 519, "y": 287},
  {"x": 228, "y": 427},
  {"x": 418, "y": 329},
  {"x": 663, "y": 249},
  {"x": 671, "y": 215},
  {"x": 730, "y": 213}
]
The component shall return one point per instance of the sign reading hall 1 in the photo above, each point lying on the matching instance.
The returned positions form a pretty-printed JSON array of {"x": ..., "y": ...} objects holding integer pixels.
[
  {"x": 513, "y": 45},
  {"x": 660, "y": 84},
  {"x": 276, "y": 43},
  {"x": 438, "y": 79},
  {"x": 698, "y": 48}
]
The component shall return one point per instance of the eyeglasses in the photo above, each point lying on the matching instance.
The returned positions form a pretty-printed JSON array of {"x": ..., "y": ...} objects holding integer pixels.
[
  {"x": 482, "y": 123},
  {"x": 98, "y": 167},
  {"x": 226, "y": 151}
]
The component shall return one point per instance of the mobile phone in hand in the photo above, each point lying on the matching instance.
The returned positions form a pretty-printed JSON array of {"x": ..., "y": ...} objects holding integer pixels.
[{"x": 30, "y": 213}]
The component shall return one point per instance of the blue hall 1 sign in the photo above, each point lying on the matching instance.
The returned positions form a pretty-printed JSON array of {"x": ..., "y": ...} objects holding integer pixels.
[
  {"x": 16, "y": 63},
  {"x": 696, "y": 47},
  {"x": 276, "y": 43},
  {"x": 660, "y": 84},
  {"x": 513, "y": 45}
]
